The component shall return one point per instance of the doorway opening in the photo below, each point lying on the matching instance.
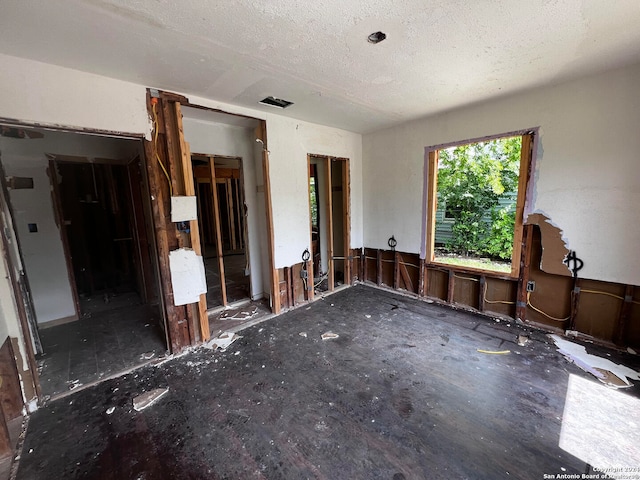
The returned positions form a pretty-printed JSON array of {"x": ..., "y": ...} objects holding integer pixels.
[
  {"x": 330, "y": 221},
  {"x": 223, "y": 227},
  {"x": 84, "y": 229}
]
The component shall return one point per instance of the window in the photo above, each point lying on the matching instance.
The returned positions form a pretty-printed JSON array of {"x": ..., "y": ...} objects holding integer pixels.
[{"x": 476, "y": 194}]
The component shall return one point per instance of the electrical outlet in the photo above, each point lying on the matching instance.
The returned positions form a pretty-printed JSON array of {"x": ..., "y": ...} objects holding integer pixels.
[{"x": 531, "y": 286}]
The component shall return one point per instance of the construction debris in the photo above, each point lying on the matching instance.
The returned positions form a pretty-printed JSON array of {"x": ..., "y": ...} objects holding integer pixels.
[
  {"x": 240, "y": 315},
  {"x": 222, "y": 341},
  {"x": 303, "y": 334},
  {"x": 609, "y": 373},
  {"x": 110, "y": 410},
  {"x": 329, "y": 336},
  {"x": 523, "y": 340},
  {"x": 495, "y": 352},
  {"x": 146, "y": 399}
]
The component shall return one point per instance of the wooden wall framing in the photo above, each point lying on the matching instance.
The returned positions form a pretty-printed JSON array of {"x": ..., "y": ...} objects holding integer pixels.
[{"x": 170, "y": 172}]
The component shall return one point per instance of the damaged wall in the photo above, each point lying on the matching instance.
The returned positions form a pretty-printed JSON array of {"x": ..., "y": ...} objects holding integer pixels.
[{"x": 586, "y": 167}]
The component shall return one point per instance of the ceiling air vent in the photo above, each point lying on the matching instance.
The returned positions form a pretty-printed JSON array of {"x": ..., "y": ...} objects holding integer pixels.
[{"x": 275, "y": 102}]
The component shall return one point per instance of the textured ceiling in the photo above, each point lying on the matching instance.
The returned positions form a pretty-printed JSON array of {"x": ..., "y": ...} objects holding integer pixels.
[{"x": 438, "y": 55}]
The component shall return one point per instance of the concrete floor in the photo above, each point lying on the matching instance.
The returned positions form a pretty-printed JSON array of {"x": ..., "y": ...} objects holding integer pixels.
[
  {"x": 112, "y": 336},
  {"x": 402, "y": 393}
]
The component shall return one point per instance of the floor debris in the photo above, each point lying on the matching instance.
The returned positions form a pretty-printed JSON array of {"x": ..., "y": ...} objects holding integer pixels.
[
  {"x": 495, "y": 352},
  {"x": 146, "y": 399},
  {"x": 522, "y": 340},
  {"x": 147, "y": 355},
  {"x": 110, "y": 410},
  {"x": 240, "y": 315},
  {"x": 329, "y": 336},
  {"x": 611, "y": 374},
  {"x": 222, "y": 341},
  {"x": 303, "y": 334}
]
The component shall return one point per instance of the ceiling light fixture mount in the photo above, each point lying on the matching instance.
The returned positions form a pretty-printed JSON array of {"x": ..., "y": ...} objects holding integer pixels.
[{"x": 376, "y": 37}]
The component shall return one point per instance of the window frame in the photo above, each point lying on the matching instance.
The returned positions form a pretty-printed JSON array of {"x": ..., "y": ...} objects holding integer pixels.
[{"x": 529, "y": 137}]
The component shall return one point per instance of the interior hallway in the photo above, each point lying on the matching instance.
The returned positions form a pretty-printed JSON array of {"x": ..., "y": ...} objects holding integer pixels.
[{"x": 402, "y": 393}]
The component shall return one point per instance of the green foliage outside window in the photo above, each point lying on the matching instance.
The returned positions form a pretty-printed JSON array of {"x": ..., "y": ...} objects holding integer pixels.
[{"x": 471, "y": 181}]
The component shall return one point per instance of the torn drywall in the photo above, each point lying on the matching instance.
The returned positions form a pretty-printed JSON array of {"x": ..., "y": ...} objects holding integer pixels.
[
  {"x": 554, "y": 246},
  {"x": 609, "y": 373}
]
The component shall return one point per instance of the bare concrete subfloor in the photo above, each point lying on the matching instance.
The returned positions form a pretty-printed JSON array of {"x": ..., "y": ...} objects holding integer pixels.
[{"x": 402, "y": 393}]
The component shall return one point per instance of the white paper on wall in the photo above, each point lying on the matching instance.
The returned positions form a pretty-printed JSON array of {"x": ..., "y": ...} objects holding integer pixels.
[
  {"x": 187, "y": 276},
  {"x": 183, "y": 209}
]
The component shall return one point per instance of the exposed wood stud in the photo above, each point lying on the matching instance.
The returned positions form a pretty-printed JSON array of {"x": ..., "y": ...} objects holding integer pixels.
[
  {"x": 329, "y": 202},
  {"x": 275, "y": 299},
  {"x": 396, "y": 270},
  {"x": 379, "y": 267},
  {"x": 432, "y": 203},
  {"x": 481, "y": 286},
  {"x": 421, "y": 278},
  {"x": 346, "y": 230},
  {"x": 404, "y": 274},
  {"x": 451, "y": 286},
  {"x": 190, "y": 190},
  {"x": 625, "y": 313},
  {"x": 518, "y": 233},
  {"x": 289, "y": 288},
  {"x": 575, "y": 303},
  {"x": 361, "y": 270},
  {"x": 216, "y": 214},
  {"x": 525, "y": 267}
]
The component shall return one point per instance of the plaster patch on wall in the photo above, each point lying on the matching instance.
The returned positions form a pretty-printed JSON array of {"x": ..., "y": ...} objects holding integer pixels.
[{"x": 554, "y": 245}]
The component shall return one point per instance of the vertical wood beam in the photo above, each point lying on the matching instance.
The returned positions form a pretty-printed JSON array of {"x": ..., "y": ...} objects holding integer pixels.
[
  {"x": 177, "y": 327},
  {"x": 523, "y": 179},
  {"x": 365, "y": 269},
  {"x": 346, "y": 230},
  {"x": 288, "y": 286},
  {"x": 481, "y": 286},
  {"x": 379, "y": 267},
  {"x": 451, "y": 287},
  {"x": 396, "y": 270},
  {"x": 523, "y": 277},
  {"x": 363, "y": 261},
  {"x": 329, "y": 202},
  {"x": 216, "y": 214},
  {"x": 421, "y": 278},
  {"x": 194, "y": 227},
  {"x": 625, "y": 313},
  {"x": 432, "y": 203}
]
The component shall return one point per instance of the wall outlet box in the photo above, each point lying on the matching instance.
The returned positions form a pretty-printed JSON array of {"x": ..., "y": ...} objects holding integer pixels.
[{"x": 531, "y": 286}]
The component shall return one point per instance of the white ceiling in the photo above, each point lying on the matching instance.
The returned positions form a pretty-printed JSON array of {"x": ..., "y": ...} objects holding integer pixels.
[{"x": 439, "y": 54}]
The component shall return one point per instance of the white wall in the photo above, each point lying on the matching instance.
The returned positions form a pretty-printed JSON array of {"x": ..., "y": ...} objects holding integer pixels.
[
  {"x": 587, "y": 174},
  {"x": 235, "y": 141},
  {"x": 289, "y": 143}
]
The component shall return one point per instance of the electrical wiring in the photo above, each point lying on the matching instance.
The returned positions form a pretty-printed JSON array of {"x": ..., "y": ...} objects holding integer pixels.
[
  {"x": 505, "y": 302},
  {"x": 599, "y": 292},
  {"x": 545, "y": 314},
  {"x": 154, "y": 101}
]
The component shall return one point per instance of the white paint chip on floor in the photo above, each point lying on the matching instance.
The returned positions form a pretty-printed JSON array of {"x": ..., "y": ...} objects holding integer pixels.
[{"x": 146, "y": 399}]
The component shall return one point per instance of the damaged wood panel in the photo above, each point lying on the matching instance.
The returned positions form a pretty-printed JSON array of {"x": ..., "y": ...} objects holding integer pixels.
[
  {"x": 437, "y": 282},
  {"x": 10, "y": 393},
  {"x": 355, "y": 261},
  {"x": 500, "y": 296},
  {"x": 370, "y": 265},
  {"x": 298, "y": 293},
  {"x": 409, "y": 271},
  {"x": 598, "y": 313},
  {"x": 387, "y": 265},
  {"x": 283, "y": 290},
  {"x": 465, "y": 290}
]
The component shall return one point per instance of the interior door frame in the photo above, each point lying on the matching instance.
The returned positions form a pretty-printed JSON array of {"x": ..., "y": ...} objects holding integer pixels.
[{"x": 346, "y": 216}]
